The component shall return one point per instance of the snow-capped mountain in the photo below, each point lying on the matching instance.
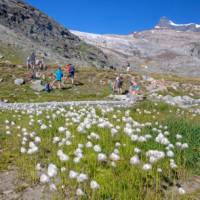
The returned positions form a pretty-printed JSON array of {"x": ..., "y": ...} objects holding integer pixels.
[
  {"x": 165, "y": 23},
  {"x": 167, "y": 48}
]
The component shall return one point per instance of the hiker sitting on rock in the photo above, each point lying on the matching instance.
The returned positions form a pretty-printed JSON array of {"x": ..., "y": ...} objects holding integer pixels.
[
  {"x": 48, "y": 87},
  {"x": 58, "y": 77}
]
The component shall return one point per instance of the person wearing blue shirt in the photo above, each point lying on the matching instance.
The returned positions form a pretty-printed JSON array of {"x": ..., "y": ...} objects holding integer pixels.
[{"x": 58, "y": 77}]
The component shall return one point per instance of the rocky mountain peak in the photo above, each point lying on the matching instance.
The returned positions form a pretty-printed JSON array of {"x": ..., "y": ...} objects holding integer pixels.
[
  {"x": 166, "y": 23},
  {"x": 27, "y": 21}
]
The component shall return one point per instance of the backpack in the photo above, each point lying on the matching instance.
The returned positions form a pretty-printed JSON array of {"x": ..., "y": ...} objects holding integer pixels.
[{"x": 71, "y": 69}]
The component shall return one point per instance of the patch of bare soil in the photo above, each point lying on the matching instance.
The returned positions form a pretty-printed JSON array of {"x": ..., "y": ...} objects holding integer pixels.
[
  {"x": 13, "y": 188},
  {"x": 191, "y": 187}
]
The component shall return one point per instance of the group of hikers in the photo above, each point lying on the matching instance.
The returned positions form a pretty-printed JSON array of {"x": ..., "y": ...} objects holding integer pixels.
[
  {"x": 118, "y": 84},
  {"x": 35, "y": 63},
  {"x": 58, "y": 78}
]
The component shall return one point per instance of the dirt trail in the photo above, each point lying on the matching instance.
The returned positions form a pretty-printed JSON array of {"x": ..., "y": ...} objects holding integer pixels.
[
  {"x": 12, "y": 188},
  {"x": 25, "y": 106}
]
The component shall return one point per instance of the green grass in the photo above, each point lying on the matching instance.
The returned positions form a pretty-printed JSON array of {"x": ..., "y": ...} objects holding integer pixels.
[
  {"x": 124, "y": 181},
  {"x": 12, "y": 54}
]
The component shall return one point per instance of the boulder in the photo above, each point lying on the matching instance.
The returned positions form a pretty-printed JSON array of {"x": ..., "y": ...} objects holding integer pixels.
[
  {"x": 19, "y": 81},
  {"x": 37, "y": 86}
]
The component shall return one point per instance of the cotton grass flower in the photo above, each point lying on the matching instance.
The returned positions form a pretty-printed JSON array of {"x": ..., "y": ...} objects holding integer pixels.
[
  {"x": 147, "y": 167},
  {"x": 181, "y": 191},
  {"x": 82, "y": 177},
  {"x": 73, "y": 174},
  {"x": 61, "y": 129},
  {"x": 89, "y": 144},
  {"x": 97, "y": 148},
  {"x": 94, "y": 185},
  {"x": 44, "y": 179},
  {"x": 23, "y": 150},
  {"x": 114, "y": 157},
  {"x": 102, "y": 157},
  {"x": 79, "y": 192},
  {"x": 52, "y": 170},
  {"x": 135, "y": 160},
  {"x": 52, "y": 187},
  {"x": 170, "y": 154}
]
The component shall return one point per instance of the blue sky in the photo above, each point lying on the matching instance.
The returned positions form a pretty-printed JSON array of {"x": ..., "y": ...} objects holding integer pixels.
[{"x": 118, "y": 16}]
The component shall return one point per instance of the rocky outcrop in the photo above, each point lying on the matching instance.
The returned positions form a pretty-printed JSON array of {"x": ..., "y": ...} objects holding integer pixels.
[
  {"x": 158, "y": 50},
  {"x": 165, "y": 23},
  {"x": 39, "y": 29}
]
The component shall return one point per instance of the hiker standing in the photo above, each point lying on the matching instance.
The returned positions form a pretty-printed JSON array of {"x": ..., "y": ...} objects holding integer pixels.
[
  {"x": 118, "y": 84},
  {"x": 58, "y": 77},
  {"x": 33, "y": 60},
  {"x": 134, "y": 87},
  {"x": 71, "y": 73},
  {"x": 28, "y": 63}
]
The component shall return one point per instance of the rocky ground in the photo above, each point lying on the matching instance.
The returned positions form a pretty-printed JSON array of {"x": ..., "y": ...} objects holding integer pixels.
[{"x": 24, "y": 29}]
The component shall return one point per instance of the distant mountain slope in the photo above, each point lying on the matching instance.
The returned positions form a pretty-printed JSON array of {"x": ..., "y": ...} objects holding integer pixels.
[
  {"x": 165, "y": 50},
  {"x": 26, "y": 23},
  {"x": 165, "y": 23}
]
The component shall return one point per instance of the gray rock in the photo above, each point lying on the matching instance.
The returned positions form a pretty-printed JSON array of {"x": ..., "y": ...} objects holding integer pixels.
[
  {"x": 19, "y": 81},
  {"x": 37, "y": 86}
]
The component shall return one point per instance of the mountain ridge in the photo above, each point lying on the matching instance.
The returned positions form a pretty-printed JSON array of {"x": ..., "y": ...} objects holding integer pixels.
[
  {"x": 166, "y": 23},
  {"x": 44, "y": 32},
  {"x": 159, "y": 50}
]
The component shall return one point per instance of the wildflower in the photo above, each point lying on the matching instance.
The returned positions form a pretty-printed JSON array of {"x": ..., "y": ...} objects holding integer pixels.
[
  {"x": 38, "y": 167},
  {"x": 97, "y": 148},
  {"x": 76, "y": 159},
  {"x": 117, "y": 144},
  {"x": 113, "y": 164},
  {"x": 114, "y": 157},
  {"x": 137, "y": 150},
  {"x": 94, "y": 185},
  {"x": 178, "y": 136},
  {"x": 56, "y": 140},
  {"x": 52, "y": 170},
  {"x": 102, "y": 157},
  {"x": 135, "y": 160},
  {"x": 114, "y": 131},
  {"x": 44, "y": 178},
  {"x": 23, "y": 150},
  {"x": 73, "y": 174},
  {"x": 147, "y": 167},
  {"x": 43, "y": 127},
  {"x": 181, "y": 191},
  {"x": 52, "y": 187},
  {"x": 79, "y": 192},
  {"x": 82, "y": 177},
  {"x": 37, "y": 139},
  {"x": 134, "y": 137},
  {"x": 159, "y": 170},
  {"x": 89, "y": 144},
  {"x": 184, "y": 146},
  {"x": 63, "y": 169},
  {"x": 61, "y": 129},
  {"x": 170, "y": 154}
]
